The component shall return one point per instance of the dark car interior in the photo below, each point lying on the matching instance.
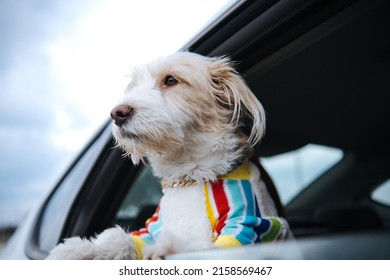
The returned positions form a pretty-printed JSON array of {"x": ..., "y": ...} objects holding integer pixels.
[{"x": 322, "y": 71}]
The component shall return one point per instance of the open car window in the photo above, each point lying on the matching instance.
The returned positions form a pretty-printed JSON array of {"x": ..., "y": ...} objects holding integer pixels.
[
  {"x": 294, "y": 171},
  {"x": 381, "y": 194}
]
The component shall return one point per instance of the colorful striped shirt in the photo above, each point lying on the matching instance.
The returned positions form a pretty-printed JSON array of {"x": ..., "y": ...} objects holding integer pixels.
[{"x": 233, "y": 211}]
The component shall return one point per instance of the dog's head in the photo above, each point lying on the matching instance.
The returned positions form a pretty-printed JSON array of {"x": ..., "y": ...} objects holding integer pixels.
[{"x": 181, "y": 97}]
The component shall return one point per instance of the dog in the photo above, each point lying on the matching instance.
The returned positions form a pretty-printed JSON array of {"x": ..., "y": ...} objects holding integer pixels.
[{"x": 183, "y": 114}]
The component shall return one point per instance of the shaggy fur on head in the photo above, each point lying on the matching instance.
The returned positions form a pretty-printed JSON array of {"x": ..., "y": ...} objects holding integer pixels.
[{"x": 186, "y": 117}]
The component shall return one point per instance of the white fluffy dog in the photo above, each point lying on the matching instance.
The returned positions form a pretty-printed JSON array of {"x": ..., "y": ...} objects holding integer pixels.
[{"x": 182, "y": 114}]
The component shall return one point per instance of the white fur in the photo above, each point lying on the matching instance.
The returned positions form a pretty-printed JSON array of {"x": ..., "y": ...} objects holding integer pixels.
[
  {"x": 186, "y": 225},
  {"x": 111, "y": 244},
  {"x": 187, "y": 130}
]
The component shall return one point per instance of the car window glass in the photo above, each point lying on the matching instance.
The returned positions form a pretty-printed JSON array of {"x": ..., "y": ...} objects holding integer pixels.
[
  {"x": 382, "y": 193},
  {"x": 295, "y": 170},
  {"x": 56, "y": 210},
  {"x": 141, "y": 200}
]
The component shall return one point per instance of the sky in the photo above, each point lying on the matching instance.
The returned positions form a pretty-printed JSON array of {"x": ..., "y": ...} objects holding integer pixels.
[{"x": 63, "y": 66}]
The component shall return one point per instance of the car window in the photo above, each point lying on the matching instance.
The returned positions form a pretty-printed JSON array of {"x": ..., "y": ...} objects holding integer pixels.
[
  {"x": 295, "y": 170},
  {"x": 382, "y": 193},
  {"x": 141, "y": 200},
  {"x": 56, "y": 209}
]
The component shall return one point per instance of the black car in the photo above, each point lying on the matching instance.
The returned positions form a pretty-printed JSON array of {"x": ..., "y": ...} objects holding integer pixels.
[{"x": 321, "y": 68}]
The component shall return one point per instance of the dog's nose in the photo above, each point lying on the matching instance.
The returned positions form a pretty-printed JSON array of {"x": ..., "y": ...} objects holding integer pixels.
[{"x": 121, "y": 113}]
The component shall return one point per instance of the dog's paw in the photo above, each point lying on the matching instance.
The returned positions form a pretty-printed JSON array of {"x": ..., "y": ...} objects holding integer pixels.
[
  {"x": 166, "y": 244},
  {"x": 111, "y": 244},
  {"x": 114, "y": 244},
  {"x": 73, "y": 248},
  {"x": 155, "y": 252}
]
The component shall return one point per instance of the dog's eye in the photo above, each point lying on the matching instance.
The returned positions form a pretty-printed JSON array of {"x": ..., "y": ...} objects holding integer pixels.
[{"x": 170, "y": 81}]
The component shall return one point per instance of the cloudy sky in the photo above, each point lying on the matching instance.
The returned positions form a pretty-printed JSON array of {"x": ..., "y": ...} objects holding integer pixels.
[{"x": 62, "y": 68}]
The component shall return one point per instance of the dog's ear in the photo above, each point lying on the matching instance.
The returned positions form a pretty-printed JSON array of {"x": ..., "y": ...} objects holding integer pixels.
[{"x": 231, "y": 92}]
